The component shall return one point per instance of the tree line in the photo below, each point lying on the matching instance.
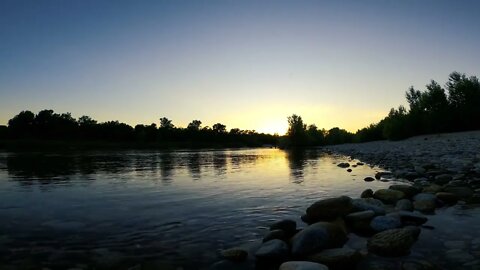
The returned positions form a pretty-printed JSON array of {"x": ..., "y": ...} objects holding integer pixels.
[
  {"x": 48, "y": 125},
  {"x": 454, "y": 107}
]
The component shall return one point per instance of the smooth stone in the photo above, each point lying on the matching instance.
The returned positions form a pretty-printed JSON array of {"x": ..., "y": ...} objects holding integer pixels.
[
  {"x": 408, "y": 190},
  {"x": 369, "y": 179},
  {"x": 433, "y": 188},
  {"x": 273, "y": 249},
  {"x": 446, "y": 197},
  {"x": 275, "y": 234},
  {"x": 230, "y": 265},
  {"x": 412, "y": 218},
  {"x": 420, "y": 169},
  {"x": 360, "y": 221},
  {"x": 234, "y": 254},
  {"x": 391, "y": 243},
  {"x": 337, "y": 258},
  {"x": 376, "y": 264},
  {"x": 388, "y": 196},
  {"x": 461, "y": 192},
  {"x": 404, "y": 205},
  {"x": 425, "y": 197},
  {"x": 379, "y": 175},
  {"x": 443, "y": 179},
  {"x": 383, "y": 223},
  {"x": 360, "y": 216},
  {"x": 318, "y": 236},
  {"x": 364, "y": 204},
  {"x": 427, "y": 207},
  {"x": 287, "y": 225},
  {"x": 302, "y": 265},
  {"x": 367, "y": 193},
  {"x": 328, "y": 209},
  {"x": 343, "y": 165}
]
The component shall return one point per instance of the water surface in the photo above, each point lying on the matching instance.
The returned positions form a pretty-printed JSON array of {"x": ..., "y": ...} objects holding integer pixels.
[{"x": 175, "y": 208}]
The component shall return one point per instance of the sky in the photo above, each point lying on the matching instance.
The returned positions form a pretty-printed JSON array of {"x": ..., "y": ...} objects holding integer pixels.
[{"x": 246, "y": 64}]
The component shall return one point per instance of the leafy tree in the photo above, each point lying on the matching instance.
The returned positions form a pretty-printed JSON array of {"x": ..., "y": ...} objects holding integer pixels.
[
  {"x": 195, "y": 125},
  {"x": 166, "y": 123},
  {"x": 219, "y": 128}
]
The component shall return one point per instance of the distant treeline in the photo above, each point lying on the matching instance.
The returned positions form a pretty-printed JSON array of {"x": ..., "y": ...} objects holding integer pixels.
[
  {"x": 48, "y": 126},
  {"x": 455, "y": 107}
]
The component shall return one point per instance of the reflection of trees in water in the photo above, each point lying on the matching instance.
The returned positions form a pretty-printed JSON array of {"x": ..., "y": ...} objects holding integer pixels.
[
  {"x": 301, "y": 159},
  {"x": 167, "y": 165},
  {"x": 49, "y": 168},
  {"x": 194, "y": 164},
  {"x": 220, "y": 163}
]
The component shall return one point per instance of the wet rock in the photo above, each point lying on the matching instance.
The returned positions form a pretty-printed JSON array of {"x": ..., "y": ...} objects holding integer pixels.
[
  {"x": 360, "y": 221},
  {"x": 388, "y": 196},
  {"x": 275, "y": 234},
  {"x": 404, "y": 205},
  {"x": 412, "y": 218},
  {"x": 383, "y": 223},
  {"x": 460, "y": 192},
  {"x": 426, "y": 207},
  {"x": 337, "y": 258},
  {"x": 343, "y": 165},
  {"x": 448, "y": 198},
  {"x": 367, "y": 193},
  {"x": 274, "y": 249},
  {"x": 287, "y": 225},
  {"x": 442, "y": 179},
  {"x": 316, "y": 237},
  {"x": 379, "y": 175},
  {"x": 364, "y": 204},
  {"x": 302, "y": 265},
  {"x": 234, "y": 254},
  {"x": 391, "y": 243},
  {"x": 408, "y": 190},
  {"x": 425, "y": 197},
  {"x": 369, "y": 179},
  {"x": 231, "y": 265},
  {"x": 420, "y": 170},
  {"x": 433, "y": 188},
  {"x": 329, "y": 209}
]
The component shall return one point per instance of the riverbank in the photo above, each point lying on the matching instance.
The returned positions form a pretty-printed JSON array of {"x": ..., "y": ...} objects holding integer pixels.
[{"x": 455, "y": 153}]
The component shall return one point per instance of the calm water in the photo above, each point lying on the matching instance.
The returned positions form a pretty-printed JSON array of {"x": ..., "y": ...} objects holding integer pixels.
[{"x": 174, "y": 208}]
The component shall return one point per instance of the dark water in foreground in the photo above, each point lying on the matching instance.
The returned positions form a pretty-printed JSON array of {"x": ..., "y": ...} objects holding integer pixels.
[{"x": 165, "y": 208}]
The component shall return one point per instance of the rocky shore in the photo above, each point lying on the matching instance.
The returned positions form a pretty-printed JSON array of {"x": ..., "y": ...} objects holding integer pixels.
[{"x": 379, "y": 229}]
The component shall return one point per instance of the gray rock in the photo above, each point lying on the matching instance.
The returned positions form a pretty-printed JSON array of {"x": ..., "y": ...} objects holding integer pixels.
[
  {"x": 388, "y": 196},
  {"x": 408, "y": 190},
  {"x": 337, "y": 258},
  {"x": 412, "y": 218},
  {"x": 383, "y": 223},
  {"x": 461, "y": 192},
  {"x": 273, "y": 249},
  {"x": 329, "y": 209},
  {"x": 426, "y": 207},
  {"x": 275, "y": 234},
  {"x": 446, "y": 197},
  {"x": 360, "y": 216},
  {"x": 287, "y": 225},
  {"x": 425, "y": 197},
  {"x": 302, "y": 265},
  {"x": 433, "y": 188},
  {"x": 391, "y": 243},
  {"x": 367, "y": 193},
  {"x": 404, "y": 205},
  {"x": 417, "y": 264},
  {"x": 316, "y": 237},
  {"x": 364, "y": 204},
  {"x": 443, "y": 179}
]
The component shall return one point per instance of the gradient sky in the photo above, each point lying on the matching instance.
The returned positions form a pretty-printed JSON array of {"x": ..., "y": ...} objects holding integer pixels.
[{"x": 246, "y": 64}]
